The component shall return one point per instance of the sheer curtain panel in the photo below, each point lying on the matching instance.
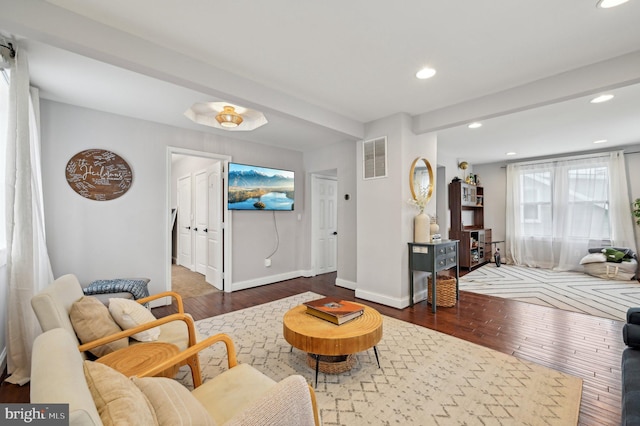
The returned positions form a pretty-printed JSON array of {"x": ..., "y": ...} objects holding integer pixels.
[
  {"x": 557, "y": 209},
  {"x": 28, "y": 267}
]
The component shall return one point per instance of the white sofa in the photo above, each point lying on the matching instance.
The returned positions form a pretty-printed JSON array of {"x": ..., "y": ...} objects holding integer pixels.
[{"x": 239, "y": 396}]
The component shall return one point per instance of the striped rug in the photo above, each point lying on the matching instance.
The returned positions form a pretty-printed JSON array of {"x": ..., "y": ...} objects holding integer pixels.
[{"x": 571, "y": 291}]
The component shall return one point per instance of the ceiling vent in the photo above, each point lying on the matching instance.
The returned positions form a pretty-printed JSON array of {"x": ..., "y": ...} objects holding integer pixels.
[{"x": 374, "y": 158}]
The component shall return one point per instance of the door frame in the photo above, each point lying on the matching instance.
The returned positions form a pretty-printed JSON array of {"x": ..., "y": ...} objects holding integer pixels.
[
  {"x": 314, "y": 218},
  {"x": 227, "y": 234}
]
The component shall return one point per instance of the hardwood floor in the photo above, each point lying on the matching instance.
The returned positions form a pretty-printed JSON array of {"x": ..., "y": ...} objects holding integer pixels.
[{"x": 585, "y": 346}]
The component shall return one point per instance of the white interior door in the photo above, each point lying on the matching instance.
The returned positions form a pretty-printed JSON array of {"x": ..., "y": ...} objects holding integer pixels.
[
  {"x": 325, "y": 222},
  {"x": 214, "y": 268},
  {"x": 200, "y": 230},
  {"x": 185, "y": 241}
]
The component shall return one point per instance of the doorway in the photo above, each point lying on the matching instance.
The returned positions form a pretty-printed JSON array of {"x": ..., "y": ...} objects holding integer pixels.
[
  {"x": 324, "y": 222},
  {"x": 198, "y": 241}
]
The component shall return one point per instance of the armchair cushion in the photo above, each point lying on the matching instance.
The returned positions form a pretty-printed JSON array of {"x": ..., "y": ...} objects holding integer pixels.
[
  {"x": 118, "y": 400},
  {"x": 128, "y": 313},
  {"x": 91, "y": 320},
  {"x": 172, "y": 402},
  {"x": 631, "y": 335}
]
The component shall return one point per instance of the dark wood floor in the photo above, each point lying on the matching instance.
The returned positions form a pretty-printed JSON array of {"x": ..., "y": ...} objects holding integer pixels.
[{"x": 584, "y": 346}]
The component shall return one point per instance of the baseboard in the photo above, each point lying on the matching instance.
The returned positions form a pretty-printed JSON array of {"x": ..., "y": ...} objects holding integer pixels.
[
  {"x": 382, "y": 299},
  {"x": 243, "y": 285},
  {"x": 346, "y": 284}
]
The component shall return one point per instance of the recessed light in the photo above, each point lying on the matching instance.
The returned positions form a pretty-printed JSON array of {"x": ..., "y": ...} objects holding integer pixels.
[
  {"x": 474, "y": 125},
  {"x": 425, "y": 73},
  {"x": 601, "y": 98},
  {"x": 606, "y": 4},
  {"x": 600, "y": 141},
  {"x": 510, "y": 153}
]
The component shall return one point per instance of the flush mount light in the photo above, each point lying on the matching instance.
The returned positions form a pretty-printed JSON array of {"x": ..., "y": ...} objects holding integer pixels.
[
  {"x": 601, "y": 98},
  {"x": 474, "y": 125},
  {"x": 600, "y": 141},
  {"x": 510, "y": 153},
  {"x": 606, "y": 4},
  {"x": 425, "y": 73},
  {"x": 221, "y": 116},
  {"x": 228, "y": 117}
]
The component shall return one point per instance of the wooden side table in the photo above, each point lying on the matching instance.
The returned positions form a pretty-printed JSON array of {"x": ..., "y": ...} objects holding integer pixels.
[
  {"x": 140, "y": 357},
  {"x": 323, "y": 338}
]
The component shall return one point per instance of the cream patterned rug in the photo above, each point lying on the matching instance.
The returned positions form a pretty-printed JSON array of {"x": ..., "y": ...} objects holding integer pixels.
[
  {"x": 571, "y": 291},
  {"x": 426, "y": 377}
]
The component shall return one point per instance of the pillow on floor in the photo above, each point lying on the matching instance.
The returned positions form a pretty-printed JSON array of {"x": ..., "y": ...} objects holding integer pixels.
[
  {"x": 129, "y": 313},
  {"x": 172, "y": 402},
  {"x": 91, "y": 320},
  {"x": 118, "y": 400},
  {"x": 593, "y": 258}
]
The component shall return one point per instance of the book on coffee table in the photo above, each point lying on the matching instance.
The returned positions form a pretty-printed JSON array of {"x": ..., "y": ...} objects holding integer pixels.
[{"x": 335, "y": 310}]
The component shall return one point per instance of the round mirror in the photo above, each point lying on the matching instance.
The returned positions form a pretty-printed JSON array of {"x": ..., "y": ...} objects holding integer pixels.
[{"x": 421, "y": 179}]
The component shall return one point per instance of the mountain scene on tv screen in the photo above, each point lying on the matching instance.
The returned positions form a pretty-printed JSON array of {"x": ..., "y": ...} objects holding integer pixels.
[{"x": 253, "y": 189}]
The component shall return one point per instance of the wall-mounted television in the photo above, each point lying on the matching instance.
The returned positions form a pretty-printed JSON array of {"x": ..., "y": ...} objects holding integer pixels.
[{"x": 260, "y": 188}]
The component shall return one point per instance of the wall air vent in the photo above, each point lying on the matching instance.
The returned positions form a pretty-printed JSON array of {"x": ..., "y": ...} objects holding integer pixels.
[{"x": 374, "y": 158}]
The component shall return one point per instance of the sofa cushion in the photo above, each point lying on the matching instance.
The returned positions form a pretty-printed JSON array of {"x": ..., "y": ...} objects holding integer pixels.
[
  {"x": 129, "y": 313},
  {"x": 91, "y": 320},
  {"x": 172, "y": 402},
  {"x": 118, "y": 399}
]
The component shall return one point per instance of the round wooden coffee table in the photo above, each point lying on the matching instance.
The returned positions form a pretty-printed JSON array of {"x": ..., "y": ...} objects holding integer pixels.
[
  {"x": 326, "y": 341},
  {"x": 140, "y": 357}
]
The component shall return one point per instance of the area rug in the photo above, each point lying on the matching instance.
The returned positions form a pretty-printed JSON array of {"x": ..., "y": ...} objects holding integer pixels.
[
  {"x": 425, "y": 378},
  {"x": 571, "y": 291}
]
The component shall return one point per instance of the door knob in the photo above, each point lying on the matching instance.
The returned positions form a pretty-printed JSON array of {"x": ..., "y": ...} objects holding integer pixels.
[
  {"x": 335, "y": 232},
  {"x": 205, "y": 230},
  {"x": 195, "y": 229},
  {"x": 188, "y": 227}
]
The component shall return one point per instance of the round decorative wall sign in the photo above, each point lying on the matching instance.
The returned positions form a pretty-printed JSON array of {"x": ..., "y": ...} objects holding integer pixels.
[{"x": 98, "y": 174}]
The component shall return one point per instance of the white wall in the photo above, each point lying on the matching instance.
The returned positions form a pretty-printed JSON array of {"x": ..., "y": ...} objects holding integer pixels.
[
  {"x": 341, "y": 157},
  {"x": 127, "y": 236},
  {"x": 385, "y": 218}
]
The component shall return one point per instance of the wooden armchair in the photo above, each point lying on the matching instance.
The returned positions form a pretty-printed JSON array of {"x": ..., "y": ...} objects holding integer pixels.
[
  {"x": 53, "y": 305},
  {"x": 238, "y": 396}
]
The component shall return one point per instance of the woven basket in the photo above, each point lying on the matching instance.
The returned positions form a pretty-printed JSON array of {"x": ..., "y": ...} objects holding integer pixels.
[
  {"x": 446, "y": 291},
  {"x": 332, "y": 364}
]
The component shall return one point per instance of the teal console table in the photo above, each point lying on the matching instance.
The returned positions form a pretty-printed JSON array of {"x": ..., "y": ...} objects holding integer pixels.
[{"x": 433, "y": 257}]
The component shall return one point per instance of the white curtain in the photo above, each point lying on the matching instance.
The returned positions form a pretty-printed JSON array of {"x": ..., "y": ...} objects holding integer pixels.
[
  {"x": 557, "y": 209},
  {"x": 28, "y": 267}
]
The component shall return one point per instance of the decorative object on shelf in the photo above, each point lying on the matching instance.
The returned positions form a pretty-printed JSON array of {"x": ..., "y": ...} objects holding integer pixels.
[
  {"x": 98, "y": 174},
  {"x": 463, "y": 165},
  {"x": 421, "y": 231},
  {"x": 436, "y": 238},
  {"x": 434, "y": 228},
  {"x": 636, "y": 210}
]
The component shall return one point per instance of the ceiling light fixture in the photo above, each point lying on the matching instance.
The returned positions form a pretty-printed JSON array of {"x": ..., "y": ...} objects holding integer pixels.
[
  {"x": 425, "y": 73},
  {"x": 510, "y": 153},
  {"x": 474, "y": 125},
  {"x": 600, "y": 141},
  {"x": 606, "y": 4},
  {"x": 228, "y": 117},
  {"x": 601, "y": 98}
]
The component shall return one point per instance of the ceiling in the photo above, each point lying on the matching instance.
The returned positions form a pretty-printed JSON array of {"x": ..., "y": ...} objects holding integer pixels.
[{"x": 321, "y": 70}]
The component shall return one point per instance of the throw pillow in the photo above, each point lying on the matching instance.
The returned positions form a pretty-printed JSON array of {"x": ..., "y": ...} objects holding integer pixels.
[
  {"x": 91, "y": 320},
  {"x": 172, "y": 402},
  {"x": 118, "y": 400},
  {"x": 593, "y": 258},
  {"x": 129, "y": 313},
  {"x": 613, "y": 255}
]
